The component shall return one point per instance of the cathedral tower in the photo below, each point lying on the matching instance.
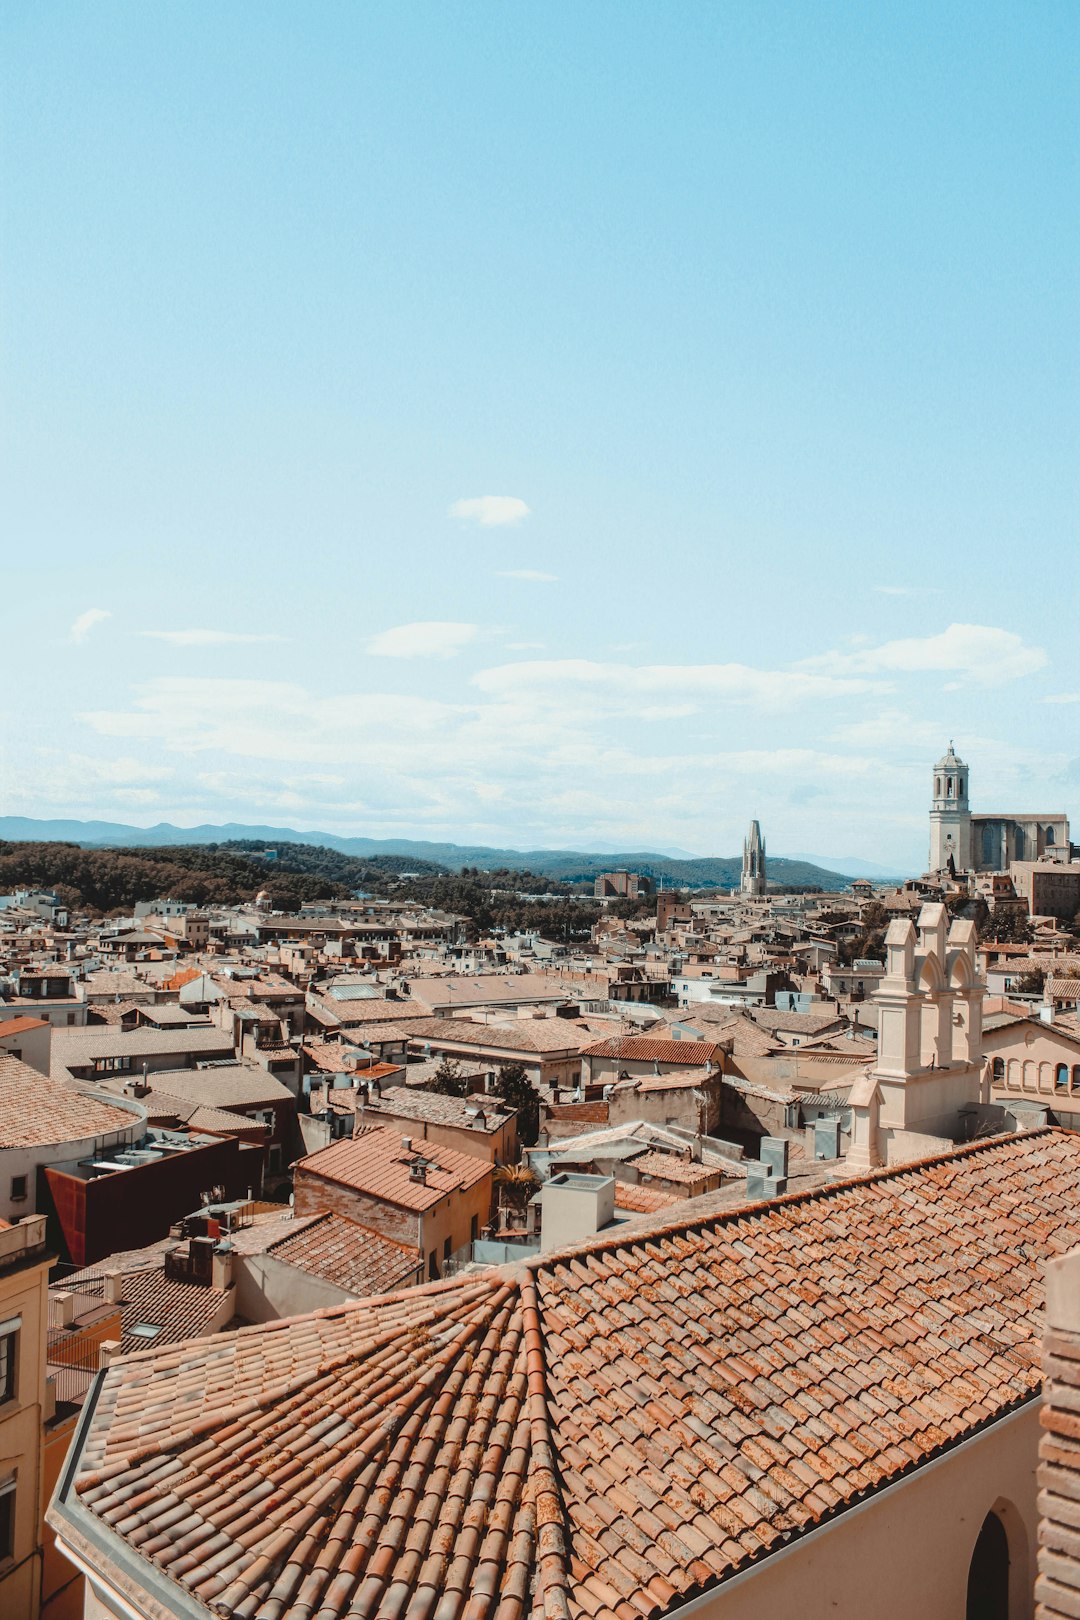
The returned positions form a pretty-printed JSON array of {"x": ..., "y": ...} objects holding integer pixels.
[
  {"x": 753, "y": 862},
  {"x": 950, "y": 815}
]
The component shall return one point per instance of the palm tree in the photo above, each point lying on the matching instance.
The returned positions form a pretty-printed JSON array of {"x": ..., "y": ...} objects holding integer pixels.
[{"x": 516, "y": 1184}]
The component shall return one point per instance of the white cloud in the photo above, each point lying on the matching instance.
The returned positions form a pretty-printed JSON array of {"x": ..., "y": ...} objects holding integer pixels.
[
  {"x": 1063, "y": 697},
  {"x": 86, "y": 622},
  {"x": 433, "y": 638},
  {"x": 892, "y": 729},
  {"x": 205, "y": 638},
  {"x": 533, "y": 574},
  {"x": 624, "y": 687},
  {"x": 980, "y": 653},
  {"x": 490, "y": 511}
]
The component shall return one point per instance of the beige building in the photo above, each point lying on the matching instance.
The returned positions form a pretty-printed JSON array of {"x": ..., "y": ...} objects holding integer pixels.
[
  {"x": 478, "y": 1124},
  {"x": 24, "y": 1321},
  {"x": 415, "y": 1192},
  {"x": 926, "y": 1088},
  {"x": 1033, "y": 1062}
]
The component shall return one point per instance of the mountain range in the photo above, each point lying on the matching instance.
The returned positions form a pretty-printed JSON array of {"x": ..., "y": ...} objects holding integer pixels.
[{"x": 695, "y": 871}]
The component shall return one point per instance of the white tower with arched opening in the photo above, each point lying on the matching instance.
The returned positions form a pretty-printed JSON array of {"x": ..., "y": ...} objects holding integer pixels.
[{"x": 950, "y": 815}]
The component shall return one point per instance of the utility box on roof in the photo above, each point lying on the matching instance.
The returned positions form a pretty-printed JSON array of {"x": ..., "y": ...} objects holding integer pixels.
[{"x": 574, "y": 1206}]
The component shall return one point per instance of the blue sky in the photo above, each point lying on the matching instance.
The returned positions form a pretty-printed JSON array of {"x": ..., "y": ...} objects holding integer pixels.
[{"x": 759, "y": 321}]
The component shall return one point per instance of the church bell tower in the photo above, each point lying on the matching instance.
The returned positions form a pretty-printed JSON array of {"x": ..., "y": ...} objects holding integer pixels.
[
  {"x": 950, "y": 815},
  {"x": 753, "y": 863}
]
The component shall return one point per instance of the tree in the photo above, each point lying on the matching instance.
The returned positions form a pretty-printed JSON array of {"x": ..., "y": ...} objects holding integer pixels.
[
  {"x": 1031, "y": 984},
  {"x": 516, "y": 1184},
  {"x": 516, "y": 1090},
  {"x": 1009, "y": 926},
  {"x": 449, "y": 1080}
]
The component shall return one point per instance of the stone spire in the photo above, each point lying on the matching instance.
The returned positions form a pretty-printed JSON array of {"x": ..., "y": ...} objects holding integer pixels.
[{"x": 753, "y": 862}]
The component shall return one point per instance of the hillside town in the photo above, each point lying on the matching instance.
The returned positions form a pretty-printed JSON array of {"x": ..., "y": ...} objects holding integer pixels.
[{"x": 356, "y": 1262}]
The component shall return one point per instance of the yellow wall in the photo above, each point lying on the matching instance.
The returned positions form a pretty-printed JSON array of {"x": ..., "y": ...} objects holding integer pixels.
[{"x": 24, "y": 1293}]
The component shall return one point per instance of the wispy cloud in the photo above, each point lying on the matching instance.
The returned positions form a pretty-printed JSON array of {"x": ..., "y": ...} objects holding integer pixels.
[
  {"x": 624, "y": 687},
  {"x": 490, "y": 511},
  {"x": 980, "y": 653},
  {"x": 206, "y": 638},
  {"x": 533, "y": 575},
  {"x": 86, "y": 622},
  {"x": 433, "y": 638},
  {"x": 1063, "y": 697}
]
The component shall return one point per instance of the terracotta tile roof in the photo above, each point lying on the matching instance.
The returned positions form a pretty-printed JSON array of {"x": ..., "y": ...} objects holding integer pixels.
[
  {"x": 809, "y": 1023},
  {"x": 673, "y": 1080},
  {"x": 672, "y": 1167},
  {"x": 643, "y": 1200},
  {"x": 523, "y": 1035},
  {"x": 376, "y": 1163},
  {"x": 240, "y": 1083},
  {"x": 601, "y": 1433},
  {"x": 349, "y": 1255},
  {"x": 163, "y": 1109},
  {"x": 36, "y": 1111},
  {"x": 180, "y": 1310},
  {"x": 646, "y": 1049},
  {"x": 432, "y": 1107},
  {"x": 19, "y": 1026}
]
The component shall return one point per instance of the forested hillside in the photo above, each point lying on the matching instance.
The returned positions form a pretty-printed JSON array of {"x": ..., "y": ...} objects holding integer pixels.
[{"x": 108, "y": 880}]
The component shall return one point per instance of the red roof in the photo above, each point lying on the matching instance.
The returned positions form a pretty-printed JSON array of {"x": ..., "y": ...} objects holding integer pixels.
[
  {"x": 644, "y": 1049},
  {"x": 605, "y": 1432},
  {"x": 377, "y": 1163},
  {"x": 19, "y": 1026}
]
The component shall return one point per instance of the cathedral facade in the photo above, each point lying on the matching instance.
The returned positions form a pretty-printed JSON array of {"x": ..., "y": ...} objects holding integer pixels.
[{"x": 962, "y": 842}]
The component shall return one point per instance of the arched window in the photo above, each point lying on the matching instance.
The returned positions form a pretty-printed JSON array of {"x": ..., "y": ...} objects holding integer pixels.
[
  {"x": 1061, "y": 1077},
  {"x": 948, "y": 786},
  {"x": 988, "y": 1573},
  {"x": 937, "y": 787},
  {"x": 999, "y": 1068},
  {"x": 1019, "y": 843},
  {"x": 988, "y": 846},
  {"x": 1049, "y": 837},
  {"x": 1076, "y": 1077}
]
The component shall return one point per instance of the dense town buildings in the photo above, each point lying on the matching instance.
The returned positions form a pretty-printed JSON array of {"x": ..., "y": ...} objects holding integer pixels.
[{"x": 320, "y": 1188}]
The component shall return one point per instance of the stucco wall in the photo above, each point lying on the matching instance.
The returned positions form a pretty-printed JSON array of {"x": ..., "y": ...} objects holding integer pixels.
[{"x": 907, "y": 1551}]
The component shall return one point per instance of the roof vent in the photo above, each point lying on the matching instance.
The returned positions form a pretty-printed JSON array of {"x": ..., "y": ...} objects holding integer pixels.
[
  {"x": 418, "y": 1171},
  {"x": 406, "y": 1144}
]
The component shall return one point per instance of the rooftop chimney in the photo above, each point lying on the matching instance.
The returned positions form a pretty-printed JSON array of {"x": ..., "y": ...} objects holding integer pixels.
[{"x": 61, "y": 1308}]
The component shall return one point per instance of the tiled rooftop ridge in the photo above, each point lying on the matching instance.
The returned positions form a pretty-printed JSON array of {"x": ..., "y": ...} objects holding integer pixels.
[{"x": 604, "y": 1432}]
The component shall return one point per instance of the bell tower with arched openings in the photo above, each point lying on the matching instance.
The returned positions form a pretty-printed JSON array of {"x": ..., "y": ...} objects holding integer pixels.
[{"x": 950, "y": 815}]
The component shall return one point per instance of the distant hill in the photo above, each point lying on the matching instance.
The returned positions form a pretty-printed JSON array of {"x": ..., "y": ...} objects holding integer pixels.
[
  {"x": 565, "y": 865},
  {"x": 853, "y": 866}
]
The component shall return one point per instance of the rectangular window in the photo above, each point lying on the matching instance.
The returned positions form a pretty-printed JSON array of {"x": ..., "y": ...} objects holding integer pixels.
[
  {"x": 474, "y": 1229},
  {"x": 18, "y": 1189},
  {"x": 446, "y": 1251},
  {"x": 9, "y": 1347},
  {"x": 7, "y": 1519}
]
